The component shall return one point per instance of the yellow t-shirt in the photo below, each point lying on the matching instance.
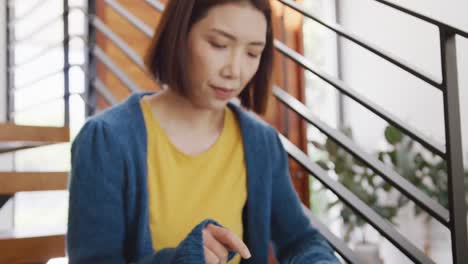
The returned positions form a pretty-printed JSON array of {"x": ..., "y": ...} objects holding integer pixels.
[{"x": 184, "y": 189}]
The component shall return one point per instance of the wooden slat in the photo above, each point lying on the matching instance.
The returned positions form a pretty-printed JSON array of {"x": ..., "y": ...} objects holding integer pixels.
[
  {"x": 12, "y": 132},
  {"x": 15, "y": 137},
  {"x": 13, "y": 182},
  {"x": 31, "y": 250}
]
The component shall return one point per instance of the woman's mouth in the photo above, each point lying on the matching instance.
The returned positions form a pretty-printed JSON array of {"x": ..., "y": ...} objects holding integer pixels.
[{"x": 223, "y": 93}]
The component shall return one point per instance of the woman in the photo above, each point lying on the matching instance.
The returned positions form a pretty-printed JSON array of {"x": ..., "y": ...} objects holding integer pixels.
[{"x": 185, "y": 175}]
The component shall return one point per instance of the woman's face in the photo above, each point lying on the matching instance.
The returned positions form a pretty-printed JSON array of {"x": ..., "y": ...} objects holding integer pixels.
[{"x": 225, "y": 48}]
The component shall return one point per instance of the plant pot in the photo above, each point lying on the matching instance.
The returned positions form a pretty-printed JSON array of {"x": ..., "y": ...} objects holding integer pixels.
[{"x": 368, "y": 253}]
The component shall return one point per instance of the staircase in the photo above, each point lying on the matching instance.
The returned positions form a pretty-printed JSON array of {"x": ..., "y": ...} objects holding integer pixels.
[{"x": 30, "y": 246}]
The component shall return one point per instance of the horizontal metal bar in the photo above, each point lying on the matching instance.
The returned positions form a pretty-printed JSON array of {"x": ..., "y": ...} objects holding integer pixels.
[
  {"x": 345, "y": 89},
  {"x": 101, "y": 55},
  {"x": 156, "y": 5},
  {"x": 438, "y": 23},
  {"x": 130, "y": 17},
  {"x": 120, "y": 43},
  {"x": 350, "y": 199},
  {"x": 44, "y": 51},
  {"x": 43, "y": 77},
  {"x": 337, "y": 243},
  {"x": 104, "y": 91},
  {"x": 399, "y": 62},
  {"x": 25, "y": 14},
  {"x": 396, "y": 180}
]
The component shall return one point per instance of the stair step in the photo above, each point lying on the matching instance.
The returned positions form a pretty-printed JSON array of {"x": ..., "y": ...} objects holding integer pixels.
[
  {"x": 16, "y": 137},
  {"x": 31, "y": 247},
  {"x": 13, "y": 182}
]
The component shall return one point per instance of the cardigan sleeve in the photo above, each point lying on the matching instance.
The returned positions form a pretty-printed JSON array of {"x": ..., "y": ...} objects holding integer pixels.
[
  {"x": 96, "y": 230},
  {"x": 96, "y": 220},
  {"x": 294, "y": 238}
]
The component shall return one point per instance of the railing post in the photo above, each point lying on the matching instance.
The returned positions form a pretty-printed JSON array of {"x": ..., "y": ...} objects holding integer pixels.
[
  {"x": 90, "y": 63},
  {"x": 66, "y": 63},
  {"x": 9, "y": 61},
  {"x": 455, "y": 171},
  {"x": 285, "y": 73}
]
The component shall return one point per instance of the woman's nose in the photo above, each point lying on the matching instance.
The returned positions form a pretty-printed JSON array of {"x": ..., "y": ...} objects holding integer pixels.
[{"x": 232, "y": 68}]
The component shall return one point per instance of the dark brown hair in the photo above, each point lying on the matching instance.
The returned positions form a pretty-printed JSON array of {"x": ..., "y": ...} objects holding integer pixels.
[{"x": 166, "y": 58}]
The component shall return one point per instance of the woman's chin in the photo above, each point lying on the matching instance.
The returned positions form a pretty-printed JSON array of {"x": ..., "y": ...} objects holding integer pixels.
[{"x": 217, "y": 105}]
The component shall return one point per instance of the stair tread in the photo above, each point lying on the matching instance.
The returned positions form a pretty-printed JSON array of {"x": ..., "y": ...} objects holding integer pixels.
[
  {"x": 15, "y": 234},
  {"x": 13, "y": 182},
  {"x": 36, "y": 246},
  {"x": 16, "y": 137}
]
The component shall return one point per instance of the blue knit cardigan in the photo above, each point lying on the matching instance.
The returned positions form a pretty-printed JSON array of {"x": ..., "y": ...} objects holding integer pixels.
[{"x": 108, "y": 210}]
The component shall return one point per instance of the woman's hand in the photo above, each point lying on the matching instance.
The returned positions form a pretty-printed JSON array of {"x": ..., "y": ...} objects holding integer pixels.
[{"x": 217, "y": 241}]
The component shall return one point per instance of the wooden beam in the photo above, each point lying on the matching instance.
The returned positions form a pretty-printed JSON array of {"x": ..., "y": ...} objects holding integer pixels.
[
  {"x": 32, "y": 250},
  {"x": 13, "y": 182},
  {"x": 15, "y": 137}
]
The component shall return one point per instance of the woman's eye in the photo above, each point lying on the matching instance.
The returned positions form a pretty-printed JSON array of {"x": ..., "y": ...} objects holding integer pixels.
[
  {"x": 253, "y": 56},
  {"x": 218, "y": 46}
]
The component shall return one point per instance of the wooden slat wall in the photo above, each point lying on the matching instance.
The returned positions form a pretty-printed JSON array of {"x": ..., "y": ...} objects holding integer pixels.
[
  {"x": 134, "y": 38},
  {"x": 290, "y": 76}
]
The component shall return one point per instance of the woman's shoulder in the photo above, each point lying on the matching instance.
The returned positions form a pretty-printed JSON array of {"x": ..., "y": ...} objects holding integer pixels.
[{"x": 121, "y": 121}]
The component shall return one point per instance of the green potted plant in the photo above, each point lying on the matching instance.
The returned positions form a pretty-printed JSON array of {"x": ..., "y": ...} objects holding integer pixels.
[{"x": 425, "y": 170}]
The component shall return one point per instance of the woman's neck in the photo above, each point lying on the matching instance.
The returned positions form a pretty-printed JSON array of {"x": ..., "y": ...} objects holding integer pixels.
[{"x": 177, "y": 112}]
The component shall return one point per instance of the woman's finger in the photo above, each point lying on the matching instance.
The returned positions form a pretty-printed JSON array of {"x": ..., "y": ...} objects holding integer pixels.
[
  {"x": 210, "y": 257},
  {"x": 229, "y": 239},
  {"x": 216, "y": 247}
]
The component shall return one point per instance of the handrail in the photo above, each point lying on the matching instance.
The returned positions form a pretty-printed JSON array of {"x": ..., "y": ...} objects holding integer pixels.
[
  {"x": 399, "y": 62},
  {"x": 337, "y": 243},
  {"x": 391, "y": 176},
  {"x": 345, "y": 89},
  {"x": 350, "y": 199}
]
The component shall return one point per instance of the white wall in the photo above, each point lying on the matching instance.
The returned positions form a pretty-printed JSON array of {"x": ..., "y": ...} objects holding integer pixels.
[
  {"x": 390, "y": 87},
  {"x": 410, "y": 99}
]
